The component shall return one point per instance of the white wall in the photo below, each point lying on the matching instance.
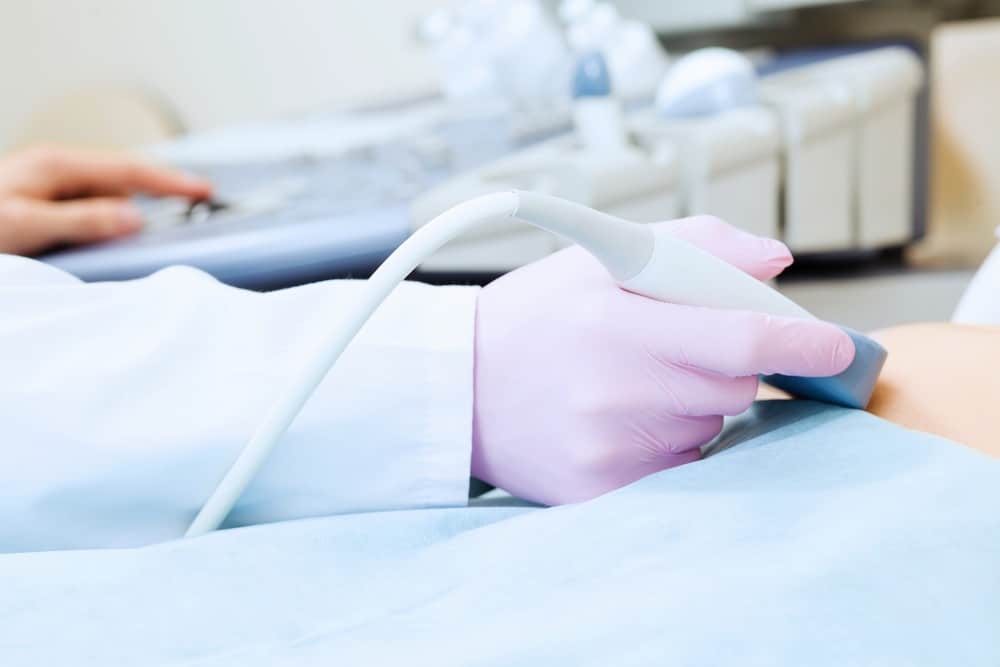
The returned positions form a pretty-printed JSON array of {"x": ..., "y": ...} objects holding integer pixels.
[{"x": 213, "y": 61}]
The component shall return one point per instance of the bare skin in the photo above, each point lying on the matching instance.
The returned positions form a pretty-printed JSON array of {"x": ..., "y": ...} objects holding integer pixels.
[
  {"x": 54, "y": 195},
  {"x": 945, "y": 379},
  {"x": 940, "y": 378}
]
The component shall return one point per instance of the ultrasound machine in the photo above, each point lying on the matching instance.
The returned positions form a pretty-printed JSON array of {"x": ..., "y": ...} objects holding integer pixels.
[{"x": 301, "y": 200}]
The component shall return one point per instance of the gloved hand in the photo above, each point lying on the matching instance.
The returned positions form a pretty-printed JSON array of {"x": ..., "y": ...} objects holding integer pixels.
[{"x": 582, "y": 387}]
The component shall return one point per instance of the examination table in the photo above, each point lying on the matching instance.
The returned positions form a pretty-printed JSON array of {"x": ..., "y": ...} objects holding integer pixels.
[{"x": 809, "y": 536}]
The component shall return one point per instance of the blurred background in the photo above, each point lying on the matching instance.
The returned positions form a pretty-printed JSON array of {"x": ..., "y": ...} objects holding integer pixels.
[
  {"x": 206, "y": 64},
  {"x": 862, "y": 132}
]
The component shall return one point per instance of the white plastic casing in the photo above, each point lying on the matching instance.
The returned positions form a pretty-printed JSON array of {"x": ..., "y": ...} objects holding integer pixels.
[
  {"x": 849, "y": 130},
  {"x": 815, "y": 118},
  {"x": 707, "y": 81},
  {"x": 679, "y": 272},
  {"x": 884, "y": 84},
  {"x": 599, "y": 124},
  {"x": 728, "y": 163}
]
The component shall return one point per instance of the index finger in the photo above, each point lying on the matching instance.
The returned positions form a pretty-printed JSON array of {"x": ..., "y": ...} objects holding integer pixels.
[
  {"x": 119, "y": 175},
  {"x": 739, "y": 343}
]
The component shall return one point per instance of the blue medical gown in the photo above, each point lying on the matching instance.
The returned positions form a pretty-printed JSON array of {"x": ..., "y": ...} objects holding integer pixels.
[{"x": 810, "y": 536}]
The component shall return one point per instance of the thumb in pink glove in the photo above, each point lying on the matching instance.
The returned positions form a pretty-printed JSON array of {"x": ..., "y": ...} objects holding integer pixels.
[{"x": 582, "y": 387}]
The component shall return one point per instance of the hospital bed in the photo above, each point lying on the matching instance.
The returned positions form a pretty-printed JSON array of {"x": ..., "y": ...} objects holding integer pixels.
[{"x": 810, "y": 535}]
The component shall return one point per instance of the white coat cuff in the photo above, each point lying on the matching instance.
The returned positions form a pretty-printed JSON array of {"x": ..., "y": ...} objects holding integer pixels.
[{"x": 443, "y": 324}]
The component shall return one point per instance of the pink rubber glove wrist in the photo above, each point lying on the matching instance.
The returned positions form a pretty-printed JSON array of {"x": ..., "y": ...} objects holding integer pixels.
[{"x": 581, "y": 387}]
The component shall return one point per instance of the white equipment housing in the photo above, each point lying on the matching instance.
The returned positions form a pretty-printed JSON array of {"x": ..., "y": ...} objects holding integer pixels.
[
  {"x": 816, "y": 119},
  {"x": 629, "y": 183},
  {"x": 863, "y": 106},
  {"x": 728, "y": 164},
  {"x": 824, "y": 161}
]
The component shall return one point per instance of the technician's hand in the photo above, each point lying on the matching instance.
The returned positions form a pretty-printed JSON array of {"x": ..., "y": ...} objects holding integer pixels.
[
  {"x": 581, "y": 387},
  {"x": 52, "y": 195}
]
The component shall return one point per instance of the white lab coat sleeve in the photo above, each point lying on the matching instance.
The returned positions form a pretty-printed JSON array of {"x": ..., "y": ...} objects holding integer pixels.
[{"x": 122, "y": 404}]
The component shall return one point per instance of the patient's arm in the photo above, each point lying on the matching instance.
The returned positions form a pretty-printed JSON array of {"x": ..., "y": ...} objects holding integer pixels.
[
  {"x": 945, "y": 379},
  {"x": 939, "y": 378}
]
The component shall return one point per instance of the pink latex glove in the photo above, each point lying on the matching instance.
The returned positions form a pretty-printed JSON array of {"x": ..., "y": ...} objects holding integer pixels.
[{"x": 582, "y": 387}]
